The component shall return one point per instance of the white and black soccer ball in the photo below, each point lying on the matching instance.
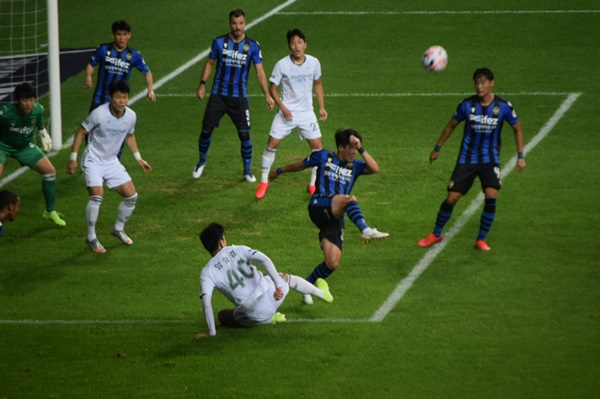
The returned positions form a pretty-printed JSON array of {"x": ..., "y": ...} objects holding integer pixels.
[{"x": 435, "y": 59}]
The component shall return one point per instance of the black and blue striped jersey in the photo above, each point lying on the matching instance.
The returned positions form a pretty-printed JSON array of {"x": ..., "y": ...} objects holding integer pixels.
[
  {"x": 481, "y": 141},
  {"x": 334, "y": 176},
  {"x": 233, "y": 64},
  {"x": 114, "y": 65}
]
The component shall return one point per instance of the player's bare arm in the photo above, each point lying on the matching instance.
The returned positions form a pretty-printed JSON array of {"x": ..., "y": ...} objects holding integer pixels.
[
  {"x": 262, "y": 81},
  {"x": 150, "y": 85},
  {"x": 132, "y": 144},
  {"x": 519, "y": 140},
  {"x": 89, "y": 71},
  {"x": 320, "y": 92},
  {"x": 77, "y": 139},
  {"x": 446, "y": 133},
  {"x": 293, "y": 167},
  {"x": 204, "y": 77}
]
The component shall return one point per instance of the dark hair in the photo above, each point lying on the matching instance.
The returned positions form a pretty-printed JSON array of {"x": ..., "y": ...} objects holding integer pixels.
[
  {"x": 120, "y": 25},
  {"x": 8, "y": 197},
  {"x": 485, "y": 72},
  {"x": 24, "y": 90},
  {"x": 118, "y": 85},
  {"x": 295, "y": 32},
  {"x": 238, "y": 12},
  {"x": 342, "y": 137},
  {"x": 211, "y": 235}
]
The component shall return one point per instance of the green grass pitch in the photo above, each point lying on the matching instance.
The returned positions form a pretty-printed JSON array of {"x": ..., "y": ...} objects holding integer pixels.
[{"x": 522, "y": 321}]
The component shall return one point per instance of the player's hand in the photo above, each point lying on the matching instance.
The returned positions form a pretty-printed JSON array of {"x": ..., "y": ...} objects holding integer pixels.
[
  {"x": 46, "y": 140},
  {"x": 355, "y": 142},
  {"x": 151, "y": 96},
  {"x": 88, "y": 82},
  {"x": 521, "y": 164},
  {"x": 145, "y": 165},
  {"x": 323, "y": 114},
  {"x": 287, "y": 114},
  {"x": 71, "y": 167},
  {"x": 270, "y": 102},
  {"x": 433, "y": 156},
  {"x": 201, "y": 92},
  {"x": 278, "y": 294}
]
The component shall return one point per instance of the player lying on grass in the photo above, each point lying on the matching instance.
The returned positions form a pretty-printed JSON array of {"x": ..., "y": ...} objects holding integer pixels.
[
  {"x": 256, "y": 297},
  {"x": 336, "y": 174}
]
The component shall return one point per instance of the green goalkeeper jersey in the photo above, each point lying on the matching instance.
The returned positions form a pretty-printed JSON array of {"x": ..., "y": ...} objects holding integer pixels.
[{"x": 17, "y": 130}]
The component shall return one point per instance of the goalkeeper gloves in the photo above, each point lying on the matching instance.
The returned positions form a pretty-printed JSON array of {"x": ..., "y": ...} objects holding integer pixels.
[{"x": 46, "y": 140}]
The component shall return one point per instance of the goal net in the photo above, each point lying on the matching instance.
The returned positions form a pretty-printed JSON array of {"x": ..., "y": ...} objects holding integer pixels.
[{"x": 29, "y": 53}]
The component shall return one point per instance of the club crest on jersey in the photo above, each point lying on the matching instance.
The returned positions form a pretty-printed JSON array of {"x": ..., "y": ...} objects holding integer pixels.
[
  {"x": 246, "y": 47},
  {"x": 496, "y": 111},
  {"x": 129, "y": 56}
]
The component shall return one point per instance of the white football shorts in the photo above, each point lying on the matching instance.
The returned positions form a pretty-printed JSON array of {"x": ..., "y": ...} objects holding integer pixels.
[
  {"x": 96, "y": 173},
  {"x": 263, "y": 308},
  {"x": 305, "y": 121}
]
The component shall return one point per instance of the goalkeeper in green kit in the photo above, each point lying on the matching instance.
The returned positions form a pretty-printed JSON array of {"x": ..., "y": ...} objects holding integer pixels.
[{"x": 18, "y": 124}]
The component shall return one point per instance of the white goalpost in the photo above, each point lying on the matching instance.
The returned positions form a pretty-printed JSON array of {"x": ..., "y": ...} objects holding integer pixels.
[{"x": 30, "y": 52}]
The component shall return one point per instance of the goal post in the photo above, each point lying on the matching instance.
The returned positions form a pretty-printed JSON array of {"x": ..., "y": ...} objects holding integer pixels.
[{"x": 54, "y": 75}]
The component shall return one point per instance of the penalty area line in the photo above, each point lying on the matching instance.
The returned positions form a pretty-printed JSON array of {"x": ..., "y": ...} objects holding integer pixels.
[{"x": 434, "y": 251}]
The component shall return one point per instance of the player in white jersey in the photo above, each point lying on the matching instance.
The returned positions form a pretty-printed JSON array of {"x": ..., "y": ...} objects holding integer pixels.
[
  {"x": 296, "y": 74},
  {"x": 256, "y": 297},
  {"x": 107, "y": 127}
]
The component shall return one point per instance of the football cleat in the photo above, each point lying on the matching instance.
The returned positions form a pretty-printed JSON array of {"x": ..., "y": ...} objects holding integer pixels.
[
  {"x": 95, "y": 246},
  {"x": 370, "y": 234},
  {"x": 278, "y": 318},
  {"x": 323, "y": 286},
  {"x": 249, "y": 177},
  {"x": 311, "y": 189},
  {"x": 482, "y": 245},
  {"x": 261, "y": 191},
  {"x": 198, "y": 170},
  {"x": 430, "y": 240},
  {"x": 55, "y": 217},
  {"x": 120, "y": 234}
]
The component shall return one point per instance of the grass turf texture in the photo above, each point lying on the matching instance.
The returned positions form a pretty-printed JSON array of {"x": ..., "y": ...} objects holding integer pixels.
[{"x": 519, "y": 322}]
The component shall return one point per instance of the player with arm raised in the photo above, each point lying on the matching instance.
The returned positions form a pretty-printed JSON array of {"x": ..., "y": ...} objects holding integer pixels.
[
  {"x": 256, "y": 297},
  {"x": 296, "y": 74},
  {"x": 108, "y": 126},
  {"x": 336, "y": 174}
]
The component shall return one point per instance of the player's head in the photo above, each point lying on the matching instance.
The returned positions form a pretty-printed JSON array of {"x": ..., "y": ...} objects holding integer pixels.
[
  {"x": 120, "y": 86},
  {"x": 120, "y": 25},
  {"x": 211, "y": 237},
  {"x": 25, "y": 97},
  {"x": 237, "y": 23},
  {"x": 342, "y": 137},
  {"x": 24, "y": 90},
  {"x": 296, "y": 43},
  {"x": 9, "y": 205},
  {"x": 121, "y": 33},
  {"x": 483, "y": 79},
  {"x": 485, "y": 73}
]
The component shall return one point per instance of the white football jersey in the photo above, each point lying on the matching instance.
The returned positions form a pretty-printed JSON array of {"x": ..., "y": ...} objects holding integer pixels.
[
  {"x": 231, "y": 273},
  {"x": 107, "y": 132},
  {"x": 296, "y": 82}
]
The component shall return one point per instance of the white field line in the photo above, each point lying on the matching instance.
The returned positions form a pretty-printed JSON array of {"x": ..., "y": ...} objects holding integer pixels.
[
  {"x": 404, "y": 285},
  {"x": 432, "y": 253},
  {"x": 161, "y": 82},
  {"x": 480, "y": 12}
]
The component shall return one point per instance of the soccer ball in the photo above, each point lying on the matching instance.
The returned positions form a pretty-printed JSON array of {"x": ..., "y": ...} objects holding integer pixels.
[{"x": 435, "y": 59}]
